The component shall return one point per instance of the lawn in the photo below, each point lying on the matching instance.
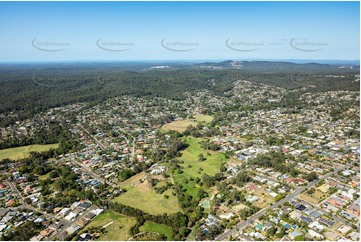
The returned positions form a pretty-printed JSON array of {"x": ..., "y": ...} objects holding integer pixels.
[
  {"x": 181, "y": 125},
  {"x": 24, "y": 151},
  {"x": 203, "y": 118},
  {"x": 117, "y": 226},
  {"x": 210, "y": 166},
  {"x": 264, "y": 198},
  {"x": 193, "y": 168},
  {"x": 158, "y": 228},
  {"x": 239, "y": 207},
  {"x": 142, "y": 196},
  {"x": 314, "y": 198},
  {"x": 44, "y": 177}
]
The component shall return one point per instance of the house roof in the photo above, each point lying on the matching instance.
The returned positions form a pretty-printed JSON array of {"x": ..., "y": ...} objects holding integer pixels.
[
  {"x": 315, "y": 214},
  {"x": 295, "y": 233},
  {"x": 328, "y": 222}
]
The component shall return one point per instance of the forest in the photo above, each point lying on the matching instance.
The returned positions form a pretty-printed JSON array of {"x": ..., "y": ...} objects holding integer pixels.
[{"x": 27, "y": 89}]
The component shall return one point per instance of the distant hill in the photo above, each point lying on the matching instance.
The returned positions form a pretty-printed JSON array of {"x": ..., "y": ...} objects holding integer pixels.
[
  {"x": 30, "y": 88},
  {"x": 274, "y": 66}
]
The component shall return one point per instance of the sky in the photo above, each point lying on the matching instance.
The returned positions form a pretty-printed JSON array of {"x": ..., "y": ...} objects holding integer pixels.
[{"x": 131, "y": 31}]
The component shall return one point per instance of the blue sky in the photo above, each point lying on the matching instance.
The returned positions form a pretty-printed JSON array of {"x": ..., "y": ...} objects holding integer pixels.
[{"x": 61, "y": 31}]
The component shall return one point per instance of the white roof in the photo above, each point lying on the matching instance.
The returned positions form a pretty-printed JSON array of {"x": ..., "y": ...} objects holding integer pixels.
[
  {"x": 344, "y": 229},
  {"x": 314, "y": 234}
]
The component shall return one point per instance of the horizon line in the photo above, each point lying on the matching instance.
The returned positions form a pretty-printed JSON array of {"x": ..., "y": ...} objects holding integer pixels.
[{"x": 179, "y": 60}]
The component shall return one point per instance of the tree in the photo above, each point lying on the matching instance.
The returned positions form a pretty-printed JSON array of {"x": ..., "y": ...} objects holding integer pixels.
[
  {"x": 27, "y": 200},
  {"x": 278, "y": 197},
  {"x": 272, "y": 231},
  {"x": 201, "y": 193},
  {"x": 311, "y": 176},
  {"x": 126, "y": 174},
  {"x": 302, "y": 129},
  {"x": 201, "y": 157},
  {"x": 311, "y": 191}
]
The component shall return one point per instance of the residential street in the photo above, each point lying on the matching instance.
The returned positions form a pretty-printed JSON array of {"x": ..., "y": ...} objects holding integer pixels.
[{"x": 298, "y": 191}]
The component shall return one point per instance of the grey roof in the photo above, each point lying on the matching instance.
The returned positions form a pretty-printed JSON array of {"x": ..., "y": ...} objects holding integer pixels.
[
  {"x": 328, "y": 222},
  {"x": 306, "y": 219},
  {"x": 308, "y": 211},
  {"x": 269, "y": 224},
  {"x": 315, "y": 215}
]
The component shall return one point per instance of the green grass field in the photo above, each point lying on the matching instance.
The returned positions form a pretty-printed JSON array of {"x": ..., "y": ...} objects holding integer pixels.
[
  {"x": 203, "y": 118},
  {"x": 24, "y": 151},
  {"x": 210, "y": 166},
  {"x": 158, "y": 228},
  {"x": 118, "y": 230},
  {"x": 181, "y": 125},
  {"x": 142, "y": 196},
  {"x": 44, "y": 177}
]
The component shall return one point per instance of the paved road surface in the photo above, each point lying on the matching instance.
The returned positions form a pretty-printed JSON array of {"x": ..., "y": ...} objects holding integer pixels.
[
  {"x": 91, "y": 136},
  {"x": 86, "y": 169},
  {"x": 132, "y": 154}
]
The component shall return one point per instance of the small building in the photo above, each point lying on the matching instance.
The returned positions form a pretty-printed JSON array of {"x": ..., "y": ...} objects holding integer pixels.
[
  {"x": 81, "y": 222},
  {"x": 295, "y": 214},
  {"x": 89, "y": 216},
  {"x": 301, "y": 207},
  {"x": 316, "y": 225},
  {"x": 257, "y": 235},
  {"x": 354, "y": 236},
  {"x": 315, "y": 235},
  {"x": 344, "y": 229},
  {"x": 315, "y": 215},
  {"x": 64, "y": 212},
  {"x": 55, "y": 226},
  {"x": 306, "y": 219},
  {"x": 269, "y": 225},
  {"x": 252, "y": 199},
  {"x": 328, "y": 222},
  {"x": 46, "y": 232},
  {"x": 85, "y": 237},
  {"x": 295, "y": 234},
  {"x": 324, "y": 188},
  {"x": 331, "y": 236},
  {"x": 72, "y": 229},
  {"x": 259, "y": 227},
  {"x": 74, "y": 205},
  {"x": 71, "y": 216}
]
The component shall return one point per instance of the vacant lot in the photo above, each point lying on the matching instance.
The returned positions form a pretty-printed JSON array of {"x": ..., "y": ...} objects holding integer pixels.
[
  {"x": 203, "y": 118},
  {"x": 116, "y": 226},
  {"x": 314, "y": 198},
  {"x": 193, "y": 168},
  {"x": 158, "y": 228},
  {"x": 181, "y": 125},
  {"x": 264, "y": 198},
  {"x": 24, "y": 151},
  {"x": 142, "y": 196},
  {"x": 239, "y": 207}
]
